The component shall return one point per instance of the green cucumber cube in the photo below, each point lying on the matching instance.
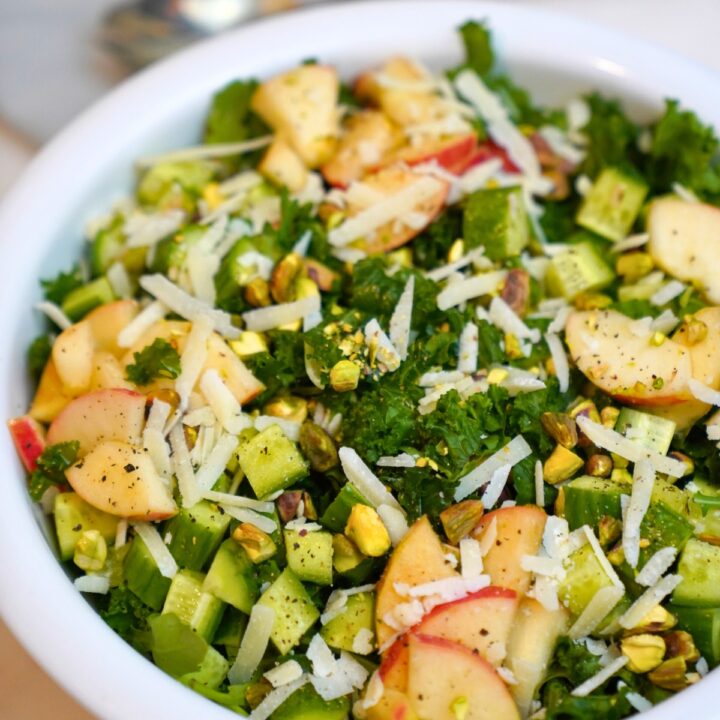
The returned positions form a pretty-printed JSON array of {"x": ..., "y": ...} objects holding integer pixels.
[
  {"x": 271, "y": 462},
  {"x": 704, "y": 626},
  {"x": 310, "y": 555},
  {"x": 195, "y": 534},
  {"x": 143, "y": 576},
  {"x": 655, "y": 433},
  {"x": 73, "y": 516},
  {"x": 577, "y": 270},
  {"x": 699, "y": 567},
  {"x": 613, "y": 204},
  {"x": 306, "y": 704},
  {"x": 231, "y": 577},
  {"x": 336, "y": 516},
  {"x": 358, "y": 614},
  {"x": 82, "y": 300},
  {"x": 496, "y": 219},
  {"x": 295, "y": 612},
  {"x": 196, "y": 608}
]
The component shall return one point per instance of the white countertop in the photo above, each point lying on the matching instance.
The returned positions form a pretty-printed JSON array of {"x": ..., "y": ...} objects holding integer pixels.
[{"x": 42, "y": 90}]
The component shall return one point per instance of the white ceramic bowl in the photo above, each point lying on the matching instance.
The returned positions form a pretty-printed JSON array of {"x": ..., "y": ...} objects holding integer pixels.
[{"x": 90, "y": 164}]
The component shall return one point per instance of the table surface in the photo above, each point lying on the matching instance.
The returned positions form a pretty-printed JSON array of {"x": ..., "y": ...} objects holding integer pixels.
[{"x": 26, "y": 692}]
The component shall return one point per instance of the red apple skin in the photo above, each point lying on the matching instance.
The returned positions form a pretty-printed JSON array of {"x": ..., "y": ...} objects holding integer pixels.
[
  {"x": 449, "y": 154},
  {"x": 394, "y": 666},
  {"x": 480, "y": 622},
  {"x": 29, "y": 438},
  {"x": 484, "y": 152}
]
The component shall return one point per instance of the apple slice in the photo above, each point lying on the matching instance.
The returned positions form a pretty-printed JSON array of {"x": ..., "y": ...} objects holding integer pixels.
[
  {"x": 393, "y": 705},
  {"x": 51, "y": 395},
  {"x": 481, "y": 622},
  {"x": 283, "y": 166},
  {"x": 531, "y": 646},
  {"x": 368, "y": 137},
  {"x": 107, "y": 321},
  {"x": 29, "y": 438},
  {"x": 685, "y": 242},
  {"x": 239, "y": 380},
  {"x": 72, "y": 353},
  {"x": 95, "y": 417},
  {"x": 445, "y": 677},
  {"x": 301, "y": 105},
  {"x": 518, "y": 531},
  {"x": 407, "y": 216},
  {"x": 484, "y": 152},
  {"x": 172, "y": 331},
  {"x": 108, "y": 373},
  {"x": 403, "y": 91},
  {"x": 418, "y": 558},
  {"x": 393, "y": 669},
  {"x": 121, "y": 480},
  {"x": 449, "y": 153},
  {"x": 615, "y": 354}
]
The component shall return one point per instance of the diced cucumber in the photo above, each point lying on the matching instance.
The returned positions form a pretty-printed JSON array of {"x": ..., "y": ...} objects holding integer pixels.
[
  {"x": 578, "y": 269},
  {"x": 587, "y": 499},
  {"x": 271, "y": 462},
  {"x": 231, "y": 577},
  {"x": 230, "y": 631},
  {"x": 306, "y": 704},
  {"x": 699, "y": 567},
  {"x": 638, "y": 291},
  {"x": 704, "y": 625},
  {"x": 107, "y": 247},
  {"x": 182, "y": 653},
  {"x": 173, "y": 184},
  {"x": 196, "y": 608},
  {"x": 496, "y": 219},
  {"x": 358, "y": 614},
  {"x": 82, "y": 300},
  {"x": 584, "y": 577},
  {"x": 170, "y": 253},
  {"x": 295, "y": 612},
  {"x": 336, "y": 516},
  {"x": 613, "y": 204},
  {"x": 655, "y": 433},
  {"x": 310, "y": 555},
  {"x": 73, "y": 516},
  {"x": 195, "y": 534},
  {"x": 143, "y": 576}
]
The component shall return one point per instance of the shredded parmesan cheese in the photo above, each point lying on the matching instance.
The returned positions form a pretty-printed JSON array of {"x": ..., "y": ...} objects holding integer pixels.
[
  {"x": 364, "y": 480},
  {"x": 515, "y": 451},
  {"x": 470, "y": 288},
  {"x": 400, "y": 320},
  {"x": 403, "y": 460},
  {"x": 642, "y": 487},
  {"x": 560, "y": 360},
  {"x": 471, "y": 559},
  {"x": 667, "y": 293},
  {"x": 245, "y": 515},
  {"x": 132, "y": 332},
  {"x": 704, "y": 393},
  {"x": 495, "y": 486},
  {"x": 381, "y": 347},
  {"x": 193, "y": 358},
  {"x": 285, "y": 673},
  {"x": 261, "y": 506},
  {"x": 601, "y": 677},
  {"x": 469, "y": 349},
  {"x": 253, "y": 645},
  {"x": 656, "y": 566},
  {"x": 267, "y": 318},
  {"x": 648, "y": 601},
  {"x": 600, "y": 605},
  {"x": 96, "y": 584},
  {"x": 214, "y": 466},
  {"x": 205, "y": 152},
  {"x": 601, "y": 557},
  {"x": 394, "y": 521},
  {"x": 539, "y": 485},
  {"x": 54, "y": 313},
  {"x": 505, "y": 318},
  {"x": 156, "y": 547},
  {"x": 223, "y": 403}
]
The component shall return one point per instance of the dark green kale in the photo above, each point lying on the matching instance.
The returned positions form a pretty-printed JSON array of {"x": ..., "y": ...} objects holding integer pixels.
[
  {"x": 524, "y": 411},
  {"x": 51, "y": 466},
  {"x": 128, "y": 616},
  {"x": 612, "y": 137},
  {"x": 431, "y": 247},
  {"x": 479, "y": 55},
  {"x": 490, "y": 341},
  {"x": 58, "y": 288},
  {"x": 38, "y": 354},
  {"x": 296, "y": 220},
  {"x": 561, "y": 705},
  {"x": 558, "y": 220},
  {"x": 683, "y": 151},
  {"x": 230, "y": 118},
  {"x": 159, "y": 360},
  {"x": 421, "y": 490},
  {"x": 283, "y": 367}
]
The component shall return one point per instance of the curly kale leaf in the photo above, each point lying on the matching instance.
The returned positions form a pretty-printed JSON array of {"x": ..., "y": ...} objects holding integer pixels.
[
  {"x": 58, "y": 288},
  {"x": 230, "y": 118},
  {"x": 38, "y": 354},
  {"x": 128, "y": 616},
  {"x": 51, "y": 467},
  {"x": 159, "y": 360}
]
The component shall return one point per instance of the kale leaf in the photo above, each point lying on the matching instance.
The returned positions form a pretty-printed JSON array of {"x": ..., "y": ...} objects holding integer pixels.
[
  {"x": 51, "y": 466},
  {"x": 281, "y": 368},
  {"x": 58, "y": 288},
  {"x": 479, "y": 55},
  {"x": 231, "y": 118},
  {"x": 561, "y": 705},
  {"x": 159, "y": 360},
  {"x": 39, "y": 353},
  {"x": 431, "y": 247},
  {"x": 128, "y": 616}
]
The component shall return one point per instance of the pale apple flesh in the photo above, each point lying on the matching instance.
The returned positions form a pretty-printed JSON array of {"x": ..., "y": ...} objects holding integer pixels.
[
  {"x": 29, "y": 439},
  {"x": 107, "y": 321},
  {"x": 480, "y": 621},
  {"x": 616, "y": 354},
  {"x": 283, "y": 166},
  {"x": 51, "y": 395},
  {"x": 93, "y": 418},
  {"x": 72, "y": 353},
  {"x": 393, "y": 669},
  {"x": 531, "y": 646},
  {"x": 685, "y": 242},
  {"x": 121, "y": 480},
  {"x": 518, "y": 531},
  {"x": 445, "y": 676},
  {"x": 108, "y": 373},
  {"x": 419, "y": 558}
]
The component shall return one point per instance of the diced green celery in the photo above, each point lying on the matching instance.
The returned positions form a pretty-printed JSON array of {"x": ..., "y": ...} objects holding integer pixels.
[{"x": 358, "y": 614}]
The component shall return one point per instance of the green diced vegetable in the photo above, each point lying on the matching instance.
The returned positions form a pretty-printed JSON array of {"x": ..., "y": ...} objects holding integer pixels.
[
  {"x": 195, "y": 534},
  {"x": 196, "y": 608},
  {"x": 358, "y": 614},
  {"x": 699, "y": 567},
  {"x": 82, "y": 300},
  {"x": 309, "y": 556},
  {"x": 337, "y": 513},
  {"x": 577, "y": 270},
  {"x": 143, "y": 575},
  {"x": 231, "y": 577},
  {"x": 73, "y": 516}
]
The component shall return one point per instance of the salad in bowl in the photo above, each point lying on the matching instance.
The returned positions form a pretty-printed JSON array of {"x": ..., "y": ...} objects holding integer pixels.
[{"x": 394, "y": 399}]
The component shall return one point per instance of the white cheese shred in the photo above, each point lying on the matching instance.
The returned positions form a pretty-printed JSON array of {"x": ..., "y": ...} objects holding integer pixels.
[
  {"x": 667, "y": 292},
  {"x": 505, "y": 318},
  {"x": 275, "y": 698},
  {"x": 515, "y": 451},
  {"x": 495, "y": 486},
  {"x": 119, "y": 280},
  {"x": 223, "y": 403},
  {"x": 253, "y": 645},
  {"x": 285, "y": 673},
  {"x": 143, "y": 321},
  {"x": 601, "y": 677},
  {"x": 634, "y": 452},
  {"x": 642, "y": 487},
  {"x": 380, "y": 345},
  {"x": 469, "y": 349},
  {"x": 468, "y": 288},
  {"x": 215, "y": 464},
  {"x": 54, "y": 313},
  {"x": 183, "y": 468},
  {"x": 471, "y": 559},
  {"x": 156, "y": 547},
  {"x": 394, "y": 521},
  {"x": 401, "y": 318},
  {"x": 364, "y": 480},
  {"x": 601, "y": 557},
  {"x": 261, "y": 506},
  {"x": 656, "y": 566},
  {"x": 96, "y": 584},
  {"x": 246, "y": 515},
  {"x": 539, "y": 485},
  {"x": 703, "y": 393},
  {"x": 205, "y": 152},
  {"x": 290, "y": 428},
  {"x": 267, "y": 318},
  {"x": 648, "y": 601},
  {"x": 560, "y": 360},
  {"x": 601, "y": 603}
]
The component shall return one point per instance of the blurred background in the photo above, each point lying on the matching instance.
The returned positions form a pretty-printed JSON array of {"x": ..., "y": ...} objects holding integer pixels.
[{"x": 58, "y": 56}]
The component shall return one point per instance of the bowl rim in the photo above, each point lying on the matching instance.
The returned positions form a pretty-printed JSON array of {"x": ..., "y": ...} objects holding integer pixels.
[{"x": 30, "y": 575}]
